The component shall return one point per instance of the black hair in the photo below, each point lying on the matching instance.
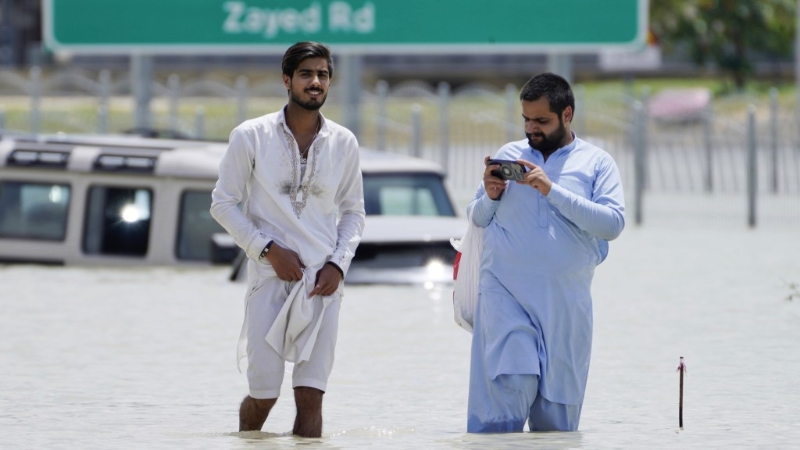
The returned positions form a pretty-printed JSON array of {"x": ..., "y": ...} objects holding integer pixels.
[
  {"x": 552, "y": 87},
  {"x": 301, "y": 51}
]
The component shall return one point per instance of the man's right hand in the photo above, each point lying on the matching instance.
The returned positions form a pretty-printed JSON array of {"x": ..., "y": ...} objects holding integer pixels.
[
  {"x": 494, "y": 186},
  {"x": 286, "y": 263}
]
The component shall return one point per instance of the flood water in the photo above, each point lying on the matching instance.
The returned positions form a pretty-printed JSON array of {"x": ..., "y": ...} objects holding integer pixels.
[{"x": 98, "y": 358}]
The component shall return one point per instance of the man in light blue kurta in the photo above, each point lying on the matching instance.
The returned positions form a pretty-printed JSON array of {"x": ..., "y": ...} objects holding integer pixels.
[{"x": 543, "y": 238}]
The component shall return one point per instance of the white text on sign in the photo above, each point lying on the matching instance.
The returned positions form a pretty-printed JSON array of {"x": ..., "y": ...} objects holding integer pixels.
[{"x": 342, "y": 18}]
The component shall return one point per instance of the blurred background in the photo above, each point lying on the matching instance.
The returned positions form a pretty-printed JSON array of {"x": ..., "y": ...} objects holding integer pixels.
[{"x": 689, "y": 96}]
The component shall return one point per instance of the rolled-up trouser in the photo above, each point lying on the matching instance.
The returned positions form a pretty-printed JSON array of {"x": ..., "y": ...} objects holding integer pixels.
[{"x": 265, "y": 366}]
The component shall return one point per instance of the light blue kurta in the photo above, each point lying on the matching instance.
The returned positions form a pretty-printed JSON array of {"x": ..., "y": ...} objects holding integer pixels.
[{"x": 534, "y": 311}]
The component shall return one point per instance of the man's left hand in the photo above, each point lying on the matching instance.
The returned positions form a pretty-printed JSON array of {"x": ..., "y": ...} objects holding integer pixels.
[
  {"x": 535, "y": 177},
  {"x": 328, "y": 279}
]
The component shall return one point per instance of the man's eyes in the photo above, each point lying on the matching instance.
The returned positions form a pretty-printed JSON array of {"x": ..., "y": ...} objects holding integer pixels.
[{"x": 311, "y": 74}]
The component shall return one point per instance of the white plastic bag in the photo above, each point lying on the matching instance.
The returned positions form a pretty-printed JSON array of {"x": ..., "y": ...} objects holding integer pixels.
[{"x": 466, "y": 272}]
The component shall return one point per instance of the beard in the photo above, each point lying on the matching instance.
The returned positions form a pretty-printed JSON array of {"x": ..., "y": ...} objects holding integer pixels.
[
  {"x": 548, "y": 143},
  {"x": 311, "y": 104}
]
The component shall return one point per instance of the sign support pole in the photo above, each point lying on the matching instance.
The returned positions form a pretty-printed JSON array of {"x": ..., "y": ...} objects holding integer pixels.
[
  {"x": 141, "y": 72},
  {"x": 348, "y": 73},
  {"x": 560, "y": 64}
]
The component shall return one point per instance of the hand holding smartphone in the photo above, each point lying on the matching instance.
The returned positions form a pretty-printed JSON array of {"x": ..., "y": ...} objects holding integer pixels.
[{"x": 508, "y": 170}]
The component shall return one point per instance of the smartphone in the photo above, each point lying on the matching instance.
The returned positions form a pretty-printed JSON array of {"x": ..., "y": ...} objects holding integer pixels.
[{"x": 508, "y": 170}]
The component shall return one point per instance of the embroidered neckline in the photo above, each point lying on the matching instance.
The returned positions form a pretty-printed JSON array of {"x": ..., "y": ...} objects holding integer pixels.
[{"x": 296, "y": 187}]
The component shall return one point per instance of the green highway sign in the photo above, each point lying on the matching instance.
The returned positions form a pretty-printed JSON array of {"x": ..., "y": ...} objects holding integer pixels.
[{"x": 357, "y": 26}]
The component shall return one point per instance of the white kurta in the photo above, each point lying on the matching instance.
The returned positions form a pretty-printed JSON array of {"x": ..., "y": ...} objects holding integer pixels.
[
  {"x": 320, "y": 216},
  {"x": 318, "y": 213}
]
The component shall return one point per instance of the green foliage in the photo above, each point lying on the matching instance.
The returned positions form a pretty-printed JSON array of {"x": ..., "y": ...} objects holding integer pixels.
[{"x": 729, "y": 33}]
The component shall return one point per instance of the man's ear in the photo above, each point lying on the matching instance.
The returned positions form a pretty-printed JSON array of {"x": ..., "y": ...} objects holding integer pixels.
[
  {"x": 567, "y": 115},
  {"x": 287, "y": 81}
]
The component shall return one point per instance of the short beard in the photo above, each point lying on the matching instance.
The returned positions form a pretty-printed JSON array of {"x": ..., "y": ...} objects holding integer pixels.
[
  {"x": 549, "y": 143},
  {"x": 310, "y": 105}
]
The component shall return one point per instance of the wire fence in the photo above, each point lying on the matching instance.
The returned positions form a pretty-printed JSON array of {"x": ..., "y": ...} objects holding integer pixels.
[{"x": 717, "y": 168}]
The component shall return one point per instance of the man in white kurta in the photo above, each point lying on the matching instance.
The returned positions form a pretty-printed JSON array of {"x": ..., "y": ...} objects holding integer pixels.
[
  {"x": 290, "y": 193},
  {"x": 543, "y": 238}
]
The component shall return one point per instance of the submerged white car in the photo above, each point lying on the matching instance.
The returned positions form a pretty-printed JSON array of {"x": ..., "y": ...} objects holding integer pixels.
[
  {"x": 410, "y": 221},
  {"x": 126, "y": 200}
]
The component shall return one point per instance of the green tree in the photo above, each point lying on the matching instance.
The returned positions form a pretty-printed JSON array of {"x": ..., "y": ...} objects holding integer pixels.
[{"x": 729, "y": 33}]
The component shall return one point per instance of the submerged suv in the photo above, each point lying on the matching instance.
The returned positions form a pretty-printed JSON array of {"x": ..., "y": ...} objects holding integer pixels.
[{"x": 126, "y": 200}]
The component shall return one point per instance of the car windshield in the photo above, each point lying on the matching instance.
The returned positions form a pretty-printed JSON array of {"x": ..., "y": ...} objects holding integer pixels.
[{"x": 406, "y": 194}]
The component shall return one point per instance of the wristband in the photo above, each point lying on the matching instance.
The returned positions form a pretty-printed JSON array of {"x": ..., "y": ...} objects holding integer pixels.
[{"x": 266, "y": 249}]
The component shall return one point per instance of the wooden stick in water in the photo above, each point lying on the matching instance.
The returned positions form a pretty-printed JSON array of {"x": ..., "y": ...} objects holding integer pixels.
[{"x": 682, "y": 370}]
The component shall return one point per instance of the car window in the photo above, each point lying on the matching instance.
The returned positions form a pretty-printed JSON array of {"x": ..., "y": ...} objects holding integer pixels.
[
  {"x": 33, "y": 210},
  {"x": 196, "y": 226},
  {"x": 404, "y": 194},
  {"x": 117, "y": 221}
]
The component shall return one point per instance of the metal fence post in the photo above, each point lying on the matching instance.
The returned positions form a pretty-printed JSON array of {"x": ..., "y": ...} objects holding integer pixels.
[
  {"x": 35, "y": 87},
  {"x": 416, "y": 130},
  {"x": 382, "y": 91},
  {"x": 752, "y": 176},
  {"x": 773, "y": 137},
  {"x": 511, "y": 111},
  {"x": 797, "y": 79},
  {"x": 102, "y": 119},
  {"x": 644, "y": 124},
  {"x": 104, "y": 80},
  {"x": 2, "y": 119},
  {"x": 708, "y": 137},
  {"x": 444, "y": 123},
  {"x": 174, "y": 90},
  {"x": 241, "y": 99},
  {"x": 579, "y": 115},
  {"x": 199, "y": 122},
  {"x": 638, "y": 162}
]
